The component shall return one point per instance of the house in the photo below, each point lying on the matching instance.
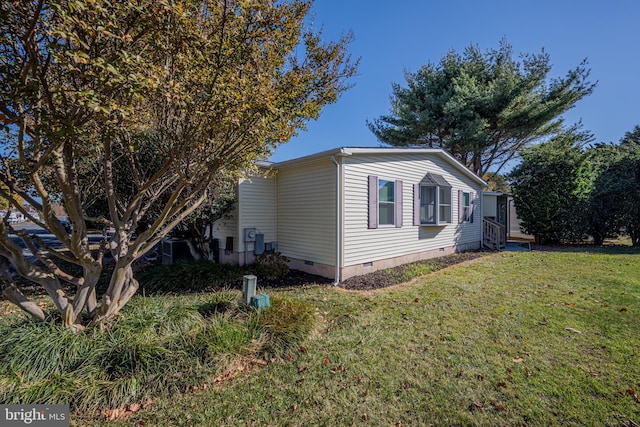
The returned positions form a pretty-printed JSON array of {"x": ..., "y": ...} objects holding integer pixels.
[{"x": 351, "y": 211}]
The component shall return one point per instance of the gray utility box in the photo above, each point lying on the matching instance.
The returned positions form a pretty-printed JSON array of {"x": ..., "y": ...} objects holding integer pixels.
[
  {"x": 248, "y": 288},
  {"x": 250, "y": 234}
]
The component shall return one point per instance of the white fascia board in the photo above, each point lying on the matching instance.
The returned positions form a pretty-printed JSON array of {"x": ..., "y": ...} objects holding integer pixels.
[{"x": 349, "y": 151}]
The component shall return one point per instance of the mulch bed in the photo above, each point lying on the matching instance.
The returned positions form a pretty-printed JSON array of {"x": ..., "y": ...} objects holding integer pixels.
[
  {"x": 393, "y": 276},
  {"x": 375, "y": 280}
]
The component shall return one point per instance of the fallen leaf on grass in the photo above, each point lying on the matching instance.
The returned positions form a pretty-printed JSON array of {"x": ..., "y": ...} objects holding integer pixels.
[
  {"x": 623, "y": 309},
  {"x": 122, "y": 413},
  {"x": 499, "y": 407},
  {"x": 477, "y": 406},
  {"x": 340, "y": 368},
  {"x": 575, "y": 331},
  {"x": 502, "y": 384},
  {"x": 115, "y": 414},
  {"x": 134, "y": 407},
  {"x": 518, "y": 360}
]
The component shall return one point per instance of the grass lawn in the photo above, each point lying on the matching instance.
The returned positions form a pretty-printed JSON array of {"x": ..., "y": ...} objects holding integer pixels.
[{"x": 541, "y": 338}]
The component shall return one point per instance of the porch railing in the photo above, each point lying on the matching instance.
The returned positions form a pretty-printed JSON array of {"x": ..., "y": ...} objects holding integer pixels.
[{"x": 494, "y": 234}]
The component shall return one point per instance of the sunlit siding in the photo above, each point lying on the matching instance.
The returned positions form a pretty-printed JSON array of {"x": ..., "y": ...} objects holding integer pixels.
[
  {"x": 256, "y": 198},
  {"x": 490, "y": 207},
  {"x": 305, "y": 197},
  {"x": 227, "y": 227},
  {"x": 363, "y": 245}
]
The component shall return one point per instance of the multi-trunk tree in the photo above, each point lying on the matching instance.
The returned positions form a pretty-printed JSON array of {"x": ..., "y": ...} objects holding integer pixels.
[
  {"x": 484, "y": 108},
  {"x": 90, "y": 89}
]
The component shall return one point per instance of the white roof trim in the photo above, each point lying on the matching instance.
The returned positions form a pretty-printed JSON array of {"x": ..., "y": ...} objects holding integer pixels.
[{"x": 349, "y": 151}]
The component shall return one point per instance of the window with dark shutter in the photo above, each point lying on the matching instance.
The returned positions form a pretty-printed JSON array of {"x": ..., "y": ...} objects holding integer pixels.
[{"x": 385, "y": 202}]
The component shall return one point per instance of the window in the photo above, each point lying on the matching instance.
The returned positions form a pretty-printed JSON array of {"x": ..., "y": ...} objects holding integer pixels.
[
  {"x": 385, "y": 202},
  {"x": 444, "y": 204},
  {"x": 432, "y": 201},
  {"x": 386, "y": 206},
  {"x": 466, "y": 207},
  {"x": 428, "y": 205}
]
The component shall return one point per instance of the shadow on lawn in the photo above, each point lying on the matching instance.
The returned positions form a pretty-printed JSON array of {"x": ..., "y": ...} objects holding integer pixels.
[{"x": 610, "y": 248}]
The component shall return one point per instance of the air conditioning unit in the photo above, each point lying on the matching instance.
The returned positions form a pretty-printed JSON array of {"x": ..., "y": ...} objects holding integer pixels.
[{"x": 174, "y": 249}]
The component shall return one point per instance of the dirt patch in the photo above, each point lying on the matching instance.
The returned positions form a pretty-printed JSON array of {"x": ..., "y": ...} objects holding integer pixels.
[
  {"x": 294, "y": 278},
  {"x": 403, "y": 273}
]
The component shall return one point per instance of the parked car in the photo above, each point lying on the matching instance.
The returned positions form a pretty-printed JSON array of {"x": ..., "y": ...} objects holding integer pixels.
[
  {"x": 67, "y": 225},
  {"x": 13, "y": 218}
]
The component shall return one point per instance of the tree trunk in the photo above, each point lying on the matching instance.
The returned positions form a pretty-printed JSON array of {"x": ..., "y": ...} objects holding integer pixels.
[
  {"x": 121, "y": 288},
  {"x": 13, "y": 294}
]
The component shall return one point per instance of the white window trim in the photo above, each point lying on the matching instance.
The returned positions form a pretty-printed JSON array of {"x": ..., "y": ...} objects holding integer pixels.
[
  {"x": 466, "y": 208},
  {"x": 438, "y": 222},
  {"x": 380, "y": 202}
]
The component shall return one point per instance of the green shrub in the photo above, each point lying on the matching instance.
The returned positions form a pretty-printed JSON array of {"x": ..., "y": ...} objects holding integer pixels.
[
  {"x": 270, "y": 265},
  {"x": 189, "y": 276}
]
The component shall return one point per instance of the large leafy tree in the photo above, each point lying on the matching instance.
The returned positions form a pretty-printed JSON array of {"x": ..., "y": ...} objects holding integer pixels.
[
  {"x": 93, "y": 86},
  {"x": 600, "y": 219},
  {"x": 614, "y": 196},
  {"x": 548, "y": 189},
  {"x": 484, "y": 108}
]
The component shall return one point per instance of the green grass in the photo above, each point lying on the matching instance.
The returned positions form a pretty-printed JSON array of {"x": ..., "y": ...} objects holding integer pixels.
[
  {"x": 160, "y": 346},
  {"x": 537, "y": 339},
  {"x": 483, "y": 343}
]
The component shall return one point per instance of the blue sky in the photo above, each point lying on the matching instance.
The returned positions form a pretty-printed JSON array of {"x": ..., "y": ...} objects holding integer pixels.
[{"x": 391, "y": 36}]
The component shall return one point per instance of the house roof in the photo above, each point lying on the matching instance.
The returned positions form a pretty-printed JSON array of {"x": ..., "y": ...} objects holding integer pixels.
[
  {"x": 434, "y": 179},
  {"x": 350, "y": 151}
]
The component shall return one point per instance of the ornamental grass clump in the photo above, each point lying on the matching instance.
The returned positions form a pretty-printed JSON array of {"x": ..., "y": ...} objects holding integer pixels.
[{"x": 163, "y": 345}]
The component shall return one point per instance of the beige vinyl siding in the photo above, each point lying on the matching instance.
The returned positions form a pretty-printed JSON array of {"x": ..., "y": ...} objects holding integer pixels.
[
  {"x": 306, "y": 211},
  {"x": 256, "y": 198},
  {"x": 490, "y": 207},
  {"x": 363, "y": 245},
  {"x": 227, "y": 227}
]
